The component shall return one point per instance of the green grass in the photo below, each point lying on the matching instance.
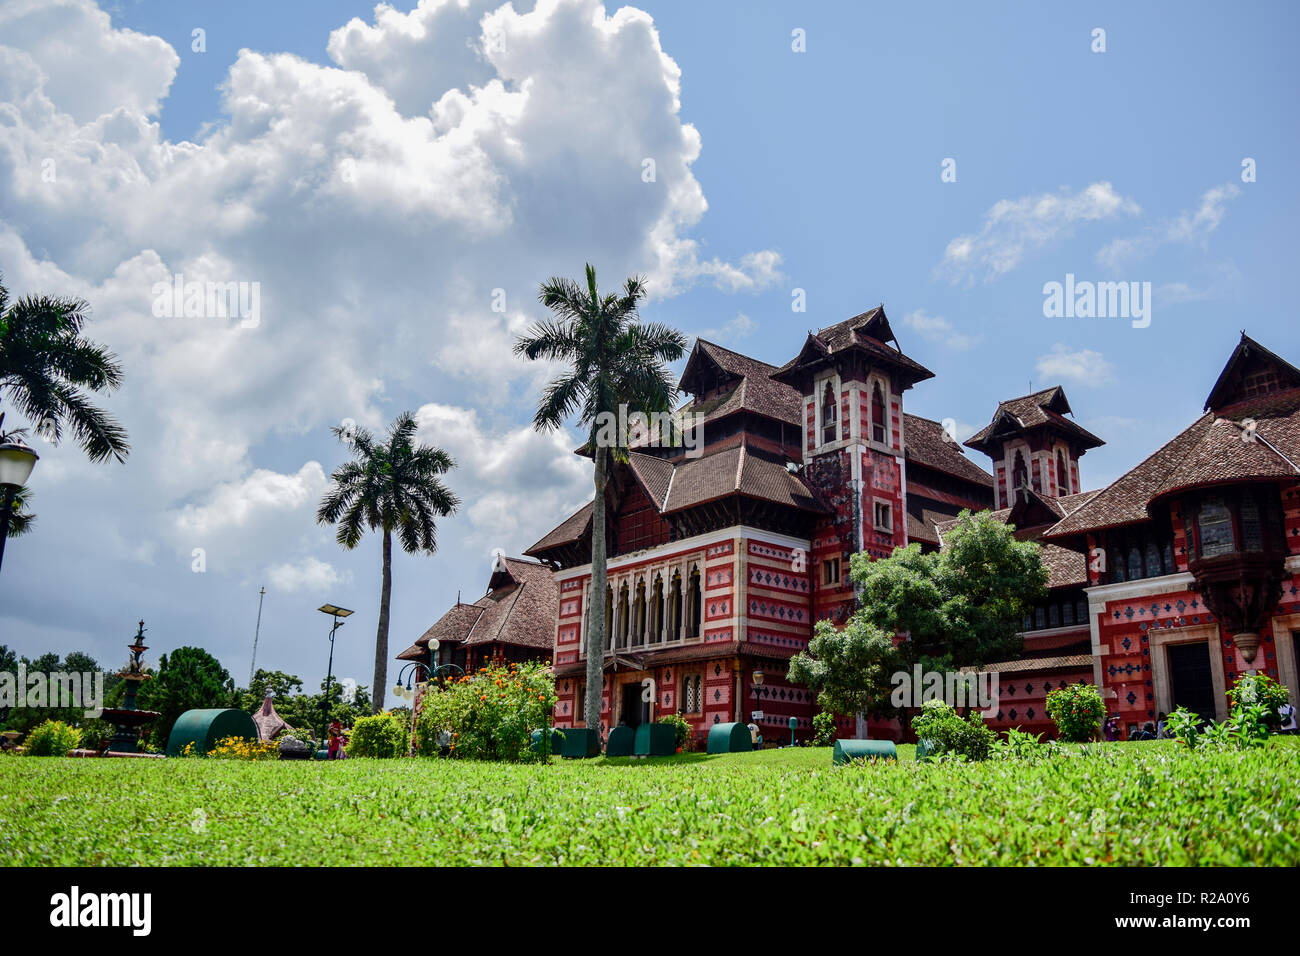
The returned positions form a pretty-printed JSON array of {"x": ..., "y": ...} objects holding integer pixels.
[{"x": 1128, "y": 804}]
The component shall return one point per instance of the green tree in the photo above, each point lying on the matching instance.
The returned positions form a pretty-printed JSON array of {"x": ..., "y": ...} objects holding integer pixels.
[
  {"x": 849, "y": 667},
  {"x": 388, "y": 486},
  {"x": 48, "y": 367},
  {"x": 613, "y": 359},
  {"x": 282, "y": 687},
  {"x": 187, "y": 679}
]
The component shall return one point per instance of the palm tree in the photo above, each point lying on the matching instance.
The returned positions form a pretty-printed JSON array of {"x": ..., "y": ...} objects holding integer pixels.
[
  {"x": 47, "y": 366},
  {"x": 388, "y": 486},
  {"x": 613, "y": 359}
]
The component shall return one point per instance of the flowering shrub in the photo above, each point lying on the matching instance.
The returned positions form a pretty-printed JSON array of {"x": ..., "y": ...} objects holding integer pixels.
[
  {"x": 681, "y": 728},
  {"x": 53, "y": 738},
  {"x": 239, "y": 748},
  {"x": 1261, "y": 690},
  {"x": 949, "y": 734},
  {"x": 1078, "y": 711},
  {"x": 489, "y": 715},
  {"x": 383, "y": 735}
]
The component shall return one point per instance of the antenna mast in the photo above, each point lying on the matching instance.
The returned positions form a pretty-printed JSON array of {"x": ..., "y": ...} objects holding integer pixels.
[{"x": 253, "y": 663}]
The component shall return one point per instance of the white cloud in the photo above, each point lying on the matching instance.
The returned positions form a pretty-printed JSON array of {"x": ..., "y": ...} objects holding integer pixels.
[
  {"x": 1081, "y": 366},
  {"x": 1013, "y": 228},
  {"x": 1190, "y": 227},
  {"x": 740, "y": 327},
  {"x": 939, "y": 330},
  {"x": 308, "y": 574}
]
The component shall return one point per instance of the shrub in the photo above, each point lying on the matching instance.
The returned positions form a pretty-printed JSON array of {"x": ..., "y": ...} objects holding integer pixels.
[
  {"x": 489, "y": 715},
  {"x": 823, "y": 729},
  {"x": 1184, "y": 726},
  {"x": 949, "y": 734},
  {"x": 1078, "y": 711},
  {"x": 53, "y": 738},
  {"x": 240, "y": 748},
  {"x": 1250, "y": 689},
  {"x": 383, "y": 735},
  {"x": 299, "y": 733},
  {"x": 681, "y": 727}
]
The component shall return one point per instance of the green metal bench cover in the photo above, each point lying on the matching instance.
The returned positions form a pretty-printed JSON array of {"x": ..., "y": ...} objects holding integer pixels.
[
  {"x": 580, "y": 742},
  {"x": 620, "y": 742},
  {"x": 203, "y": 728},
  {"x": 729, "y": 739},
  {"x": 846, "y": 750},
  {"x": 557, "y": 741},
  {"x": 655, "y": 740}
]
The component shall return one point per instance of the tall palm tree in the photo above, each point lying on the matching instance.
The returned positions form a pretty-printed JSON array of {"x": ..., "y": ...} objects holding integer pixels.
[
  {"x": 613, "y": 359},
  {"x": 47, "y": 367},
  {"x": 388, "y": 486}
]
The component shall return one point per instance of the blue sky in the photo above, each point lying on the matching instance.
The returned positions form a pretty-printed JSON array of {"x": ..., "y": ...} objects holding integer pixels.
[{"x": 820, "y": 170}]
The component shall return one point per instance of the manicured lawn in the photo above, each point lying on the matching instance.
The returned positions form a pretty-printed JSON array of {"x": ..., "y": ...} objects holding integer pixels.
[{"x": 1127, "y": 804}]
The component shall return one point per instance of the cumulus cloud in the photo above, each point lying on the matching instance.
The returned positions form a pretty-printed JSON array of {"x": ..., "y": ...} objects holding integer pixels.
[
  {"x": 1013, "y": 228},
  {"x": 1189, "y": 227},
  {"x": 378, "y": 203},
  {"x": 939, "y": 330},
  {"x": 1081, "y": 366}
]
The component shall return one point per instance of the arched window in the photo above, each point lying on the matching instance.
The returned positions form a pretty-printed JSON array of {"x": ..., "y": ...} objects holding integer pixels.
[
  {"x": 657, "y": 610},
  {"x": 1116, "y": 564},
  {"x": 609, "y": 617},
  {"x": 1215, "y": 523},
  {"x": 830, "y": 414},
  {"x": 639, "y": 622},
  {"x": 1153, "y": 560},
  {"x": 622, "y": 616},
  {"x": 1019, "y": 473},
  {"x": 675, "y": 634},
  {"x": 877, "y": 414},
  {"x": 696, "y": 610},
  {"x": 1167, "y": 552},
  {"x": 1054, "y": 615},
  {"x": 1062, "y": 475},
  {"x": 1134, "y": 564}
]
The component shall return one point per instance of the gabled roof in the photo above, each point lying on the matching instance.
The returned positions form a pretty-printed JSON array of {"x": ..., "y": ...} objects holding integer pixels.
[
  {"x": 928, "y": 444},
  {"x": 1042, "y": 409},
  {"x": 869, "y": 334},
  {"x": 1248, "y": 356},
  {"x": 655, "y": 475},
  {"x": 1210, "y": 451},
  {"x": 519, "y": 609},
  {"x": 736, "y": 471},
  {"x": 753, "y": 388},
  {"x": 571, "y": 529}
]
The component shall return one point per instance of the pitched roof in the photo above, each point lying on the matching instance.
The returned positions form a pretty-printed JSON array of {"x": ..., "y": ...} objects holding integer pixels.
[
  {"x": 736, "y": 470},
  {"x": 753, "y": 390},
  {"x": 1071, "y": 661},
  {"x": 1209, "y": 451},
  {"x": 571, "y": 529},
  {"x": 1046, "y": 408},
  {"x": 923, "y": 528},
  {"x": 926, "y": 443},
  {"x": 520, "y": 609},
  {"x": 655, "y": 474},
  {"x": 1248, "y": 355},
  {"x": 868, "y": 333}
]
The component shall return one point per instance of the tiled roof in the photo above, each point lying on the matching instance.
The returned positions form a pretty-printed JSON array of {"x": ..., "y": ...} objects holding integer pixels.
[
  {"x": 868, "y": 332},
  {"x": 1047, "y": 407},
  {"x": 928, "y": 444},
  {"x": 736, "y": 470},
  {"x": 755, "y": 391},
  {"x": 571, "y": 529},
  {"x": 1071, "y": 661},
  {"x": 655, "y": 474},
  {"x": 1065, "y": 568},
  {"x": 1208, "y": 452}
]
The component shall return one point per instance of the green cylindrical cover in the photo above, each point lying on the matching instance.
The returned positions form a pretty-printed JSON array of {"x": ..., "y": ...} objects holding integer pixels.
[
  {"x": 655, "y": 740},
  {"x": 846, "y": 750},
  {"x": 557, "y": 741},
  {"x": 620, "y": 742},
  {"x": 580, "y": 742},
  {"x": 729, "y": 739},
  {"x": 203, "y": 728}
]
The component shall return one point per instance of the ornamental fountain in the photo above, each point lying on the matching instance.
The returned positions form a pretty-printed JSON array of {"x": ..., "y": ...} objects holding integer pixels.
[{"x": 128, "y": 719}]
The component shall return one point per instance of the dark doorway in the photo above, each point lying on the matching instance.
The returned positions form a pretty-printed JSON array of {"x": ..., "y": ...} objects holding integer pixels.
[
  {"x": 1190, "y": 680},
  {"x": 635, "y": 711}
]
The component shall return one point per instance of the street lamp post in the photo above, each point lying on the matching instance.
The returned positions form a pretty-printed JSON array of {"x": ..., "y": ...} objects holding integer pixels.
[
  {"x": 16, "y": 464},
  {"x": 337, "y": 613},
  {"x": 757, "y": 681}
]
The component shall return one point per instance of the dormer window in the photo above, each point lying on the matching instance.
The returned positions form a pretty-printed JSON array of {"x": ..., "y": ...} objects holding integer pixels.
[
  {"x": 1062, "y": 475},
  {"x": 1019, "y": 473},
  {"x": 829, "y": 414},
  {"x": 877, "y": 415}
]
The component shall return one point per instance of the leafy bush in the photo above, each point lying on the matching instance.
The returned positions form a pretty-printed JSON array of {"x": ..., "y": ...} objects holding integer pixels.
[
  {"x": 489, "y": 715},
  {"x": 949, "y": 734},
  {"x": 1078, "y": 711},
  {"x": 1251, "y": 689},
  {"x": 681, "y": 728},
  {"x": 53, "y": 738},
  {"x": 1184, "y": 726},
  {"x": 383, "y": 735},
  {"x": 240, "y": 748},
  {"x": 823, "y": 729},
  {"x": 298, "y": 733}
]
